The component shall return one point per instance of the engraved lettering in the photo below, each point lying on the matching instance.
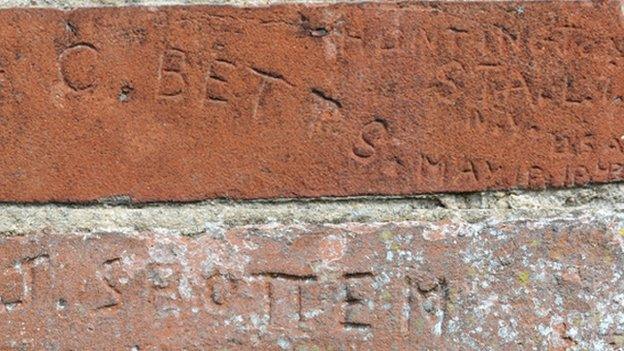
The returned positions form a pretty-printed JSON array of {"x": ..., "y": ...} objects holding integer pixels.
[
  {"x": 450, "y": 82},
  {"x": 325, "y": 116},
  {"x": 111, "y": 282},
  {"x": 20, "y": 284},
  {"x": 359, "y": 294},
  {"x": 222, "y": 287},
  {"x": 503, "y": 97},
  {"x": 371, "y": 135},
  {"x": 285, "y": 293},
  {"x": 266, "y": 77},
  {"x": 4, "y": 85},
  {"x": 579, "y": 175},
  {"x": 433, "y": 167},
  {"x": 172, "y": 76},
  {"x": 217, "y": 90},
  {"x": 427, "y": 307},
  {"x": 537, "y": 177},
  {"x": 78, "y": 65},
  {"x": 565, "y": 144}
]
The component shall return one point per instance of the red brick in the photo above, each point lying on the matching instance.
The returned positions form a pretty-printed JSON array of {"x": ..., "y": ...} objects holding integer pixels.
[
  {"x": 380, "y": 287},
  {"x": 185, "y": 103}
]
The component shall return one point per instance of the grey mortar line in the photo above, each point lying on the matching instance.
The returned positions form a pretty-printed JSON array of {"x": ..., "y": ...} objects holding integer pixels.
[{"x": 201, "y": 217}]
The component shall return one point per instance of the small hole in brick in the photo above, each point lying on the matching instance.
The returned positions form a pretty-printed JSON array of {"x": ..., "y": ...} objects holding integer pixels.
[
  {"x": 71, "y": 27},
  {"x": 319, "y": 32},
  {"x": 125, "y": 94},
  {"x": 61, "y": 304}
]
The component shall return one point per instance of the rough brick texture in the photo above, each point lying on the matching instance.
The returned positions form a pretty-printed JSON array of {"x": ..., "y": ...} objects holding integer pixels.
[
  {"x": 184, "y": 103},
  {"x": 516, "y": 285}
]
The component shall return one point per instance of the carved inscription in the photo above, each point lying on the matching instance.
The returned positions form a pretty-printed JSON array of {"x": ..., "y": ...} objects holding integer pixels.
[
  {"x": 12, "y": 287},
  {"x": 221, "y": 288},
  {"x": 574, "y": 145},
  {"x": 266, "y": 78},
  {"x": 4, "y": 85},
  {"x": 427, "y": 307},
  {"x": 172, "y": 77},
  {"x": 325, "y": 117},
  {"x": 358, "y": 102},
  {"x": 359, "y": 303},
  {"x": 372, "y": 134},
  {"x": 217, "y": 89},
  {"x": 354, "y": 306},
  {"x": 373, "y": 286},
  {"x": 77, "y": 66},
  {"x": 21, "y": 283},
  {"x": 110, "y": 280},
  {"x": 285, "y": 293}
]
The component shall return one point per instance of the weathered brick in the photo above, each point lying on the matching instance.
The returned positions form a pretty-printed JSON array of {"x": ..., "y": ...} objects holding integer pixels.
[
  {"x": 544, "y": 284},
  {"x": 183, "y": 103}
]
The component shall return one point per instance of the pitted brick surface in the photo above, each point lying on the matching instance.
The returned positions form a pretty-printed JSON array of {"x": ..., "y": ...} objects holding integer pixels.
[
  {"x": 516, "y": 285},
  {"x": 186, "y": 103}
]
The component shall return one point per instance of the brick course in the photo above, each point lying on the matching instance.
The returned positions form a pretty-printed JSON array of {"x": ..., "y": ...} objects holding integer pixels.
[
  {"x": 519, "y": 285},
  {"x": 196, "y": 102}
]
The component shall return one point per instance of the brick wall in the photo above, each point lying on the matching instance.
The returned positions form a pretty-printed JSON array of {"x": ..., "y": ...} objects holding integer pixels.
[{"x": 344, "y": 176}]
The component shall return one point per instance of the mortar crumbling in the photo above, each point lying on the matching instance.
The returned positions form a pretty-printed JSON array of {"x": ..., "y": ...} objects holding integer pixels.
[{"x": 199, "y": 217}]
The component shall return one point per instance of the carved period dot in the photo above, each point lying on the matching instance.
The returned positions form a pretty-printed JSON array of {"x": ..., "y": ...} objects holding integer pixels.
[{"x": 78, "y": 66}]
